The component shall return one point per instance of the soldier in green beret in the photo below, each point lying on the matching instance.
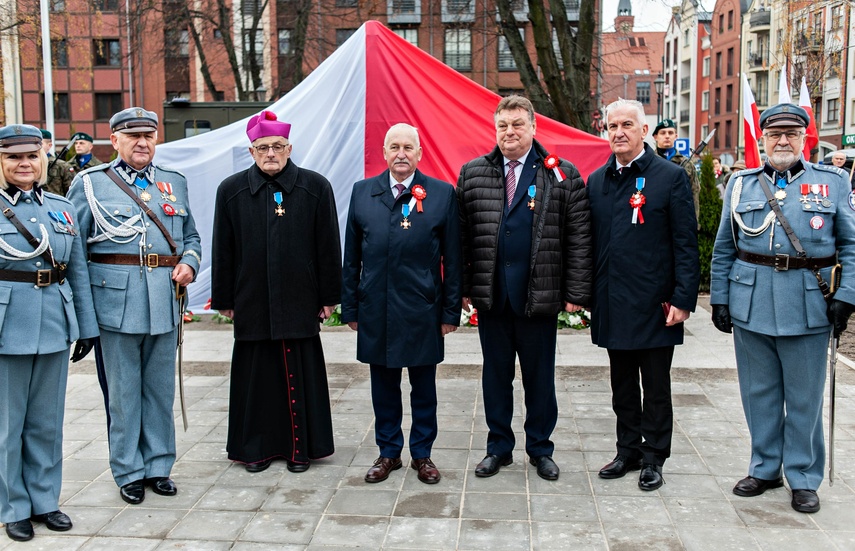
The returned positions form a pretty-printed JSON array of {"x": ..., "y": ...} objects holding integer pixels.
[
  {"x": 59, "y": 173},
  {"x": 84, "y": 158},
  {"x": 664, "y": 135}
]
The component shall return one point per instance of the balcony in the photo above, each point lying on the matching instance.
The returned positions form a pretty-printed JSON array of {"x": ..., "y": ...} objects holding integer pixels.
[
  {"x": 404, "y": 11},
  {"x": 685, "y": 85},
  {"x": 810, "y": 43},
  {"x": 684, "y": 117},
  {"x": 760, "y": 19},
  {"x": 758, "y": 61}
]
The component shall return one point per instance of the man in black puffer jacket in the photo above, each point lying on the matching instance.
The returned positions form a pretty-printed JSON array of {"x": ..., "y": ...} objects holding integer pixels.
[{"x": 525, "y": 224}]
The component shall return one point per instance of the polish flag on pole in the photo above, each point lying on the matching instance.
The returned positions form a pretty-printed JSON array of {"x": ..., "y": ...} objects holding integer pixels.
[
  {"x": 812, "y": 139},
  {"x": 751, "y": 125},
  {"x": 784, "y": 87}
]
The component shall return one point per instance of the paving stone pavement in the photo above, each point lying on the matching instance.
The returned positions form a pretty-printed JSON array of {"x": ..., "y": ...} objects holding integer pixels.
[{"x": 220, "y": 506}]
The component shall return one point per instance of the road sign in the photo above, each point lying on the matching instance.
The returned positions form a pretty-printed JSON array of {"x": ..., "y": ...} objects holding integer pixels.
[{"x": 682, "y": 146}]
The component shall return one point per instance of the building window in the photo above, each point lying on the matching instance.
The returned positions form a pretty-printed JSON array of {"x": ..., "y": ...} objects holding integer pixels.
[
  {"x": 667, "y": 57},
  {"x": 717, "y": 101},
  {"x": 832, "y": 110},
  {"x": 706, "y": 67},
  {"x": 285, "y": 42},
  {"x": 685, "y": 38},
  {"x": 458, "y": 49},
  {"x": 556, "y": 49},
  {"x": 219, "y": 96},
  {"x": 506, "y": 58},
  {"x": 105, "y": 5},
  {"x": 177, "y": 43},
  {"x": 106, "y": 105},
  {"x": 459, "y": 6},
  {"x": 730, "y": 62},
  {"x": 410, "y": 35},
  {"x": 817, "y": 25},
  {"x": 346, "y": 3},
  {"x": 705, "y": 129},
  {"x": 403, "y": 7},
  {"x": 57, "y": 6},
  {"x": 720, "y": 23},
  {"x": 705, "y": 101},
  {"x": 718, "y": 65},
  {"x": 258, "y": 46},
  {"x": 728, "y": 131},
  {"x": 728, "y": 100},
  {"x": 836, "y": 17},
  {"x": 106, "y": 53},
  {"x": 218, "y": 34},
  {"x": 730, "y": 20},
  {"x": 60, "y": 53},
  {"x": 341, "y": 36},
  {"x": 716, "y": 135},
  {"x": 252, "y": 7},
  {"x": 61, "y": 110},
  {"x": 642, "y": 92},
  {"x": 196, "y": 127}
]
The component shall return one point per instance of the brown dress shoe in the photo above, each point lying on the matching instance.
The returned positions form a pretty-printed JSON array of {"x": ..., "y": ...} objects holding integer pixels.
[
  {"x": 381, "y": 469},
  {"x": 428, "y": 473}
]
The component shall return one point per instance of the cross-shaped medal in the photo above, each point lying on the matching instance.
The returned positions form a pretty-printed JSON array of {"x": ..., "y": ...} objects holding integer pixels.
[
  {"x": 405, "y": 224},
  {"x": 279, "y": 210}
]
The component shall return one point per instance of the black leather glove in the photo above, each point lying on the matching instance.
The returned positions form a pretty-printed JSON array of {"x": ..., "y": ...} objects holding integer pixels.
[
  {"x": 721, "y": 318},
  {"x": 838, "y": 315},
  {"x": 81, "y": 348}
]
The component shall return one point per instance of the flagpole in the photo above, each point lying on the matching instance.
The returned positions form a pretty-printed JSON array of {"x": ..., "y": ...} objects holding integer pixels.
[{"x": 47, "y": 65}]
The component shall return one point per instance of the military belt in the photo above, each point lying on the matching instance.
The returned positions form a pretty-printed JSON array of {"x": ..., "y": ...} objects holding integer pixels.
[
  {"x": 39, "y": 278},
  {"x": 782, "y": 262},
  {"x": 149, "y": 261}
]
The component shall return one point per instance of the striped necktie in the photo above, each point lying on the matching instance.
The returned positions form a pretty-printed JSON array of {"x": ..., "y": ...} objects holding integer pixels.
[{"x": 511, "y": 181}]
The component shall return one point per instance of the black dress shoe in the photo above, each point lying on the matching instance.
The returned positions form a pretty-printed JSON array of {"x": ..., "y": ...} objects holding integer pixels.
[
  {"x": 133, "y": 492},
  {"x": 258, "y": 466},
  {"x": 546, "y": 467},
  {"x": 56, "y": 521},
  {"x": 650, "y": 477},
  {"x": 162, "y": 485},
  {"x": 490, "y": 465},
  {"x": 295, "y": 467},
  {"x": 20, "y": 530},
  {"x": 805, "y": 501},
  {"x": 619, "y": 466},
  {"x": 750, "y": 486}
]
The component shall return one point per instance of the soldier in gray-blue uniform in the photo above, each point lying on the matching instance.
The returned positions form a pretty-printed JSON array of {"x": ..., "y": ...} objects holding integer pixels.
[
  {"x": 134, "y": 268},
  {"x": 45, "y": 305},
  {"x": 773, "y": 299}
]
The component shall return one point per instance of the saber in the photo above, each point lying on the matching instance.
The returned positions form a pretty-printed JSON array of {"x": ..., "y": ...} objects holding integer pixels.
[
  {"x": 703, "y": 144},
  {"x": 181, "y": 295},
  {"x": 832, "y": 368}
]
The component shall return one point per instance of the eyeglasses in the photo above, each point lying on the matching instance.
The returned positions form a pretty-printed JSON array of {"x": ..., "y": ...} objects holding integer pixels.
[
  {"x": 277, "y": 148},
  {"x": 792, "y": 135}
]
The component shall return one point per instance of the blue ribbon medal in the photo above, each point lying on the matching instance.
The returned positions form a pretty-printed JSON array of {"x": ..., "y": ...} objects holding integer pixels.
[
  {"x": 781, "y": 194},
  {"x": 531, "y": 193},
  {"x": 405, "y": 211},
  {"x": 279, "y": 210}
]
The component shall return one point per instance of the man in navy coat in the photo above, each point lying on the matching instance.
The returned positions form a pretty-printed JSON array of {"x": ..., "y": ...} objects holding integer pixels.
[
  {"x": 401, "y": 291},
  {"x": 645, "y": 285}
]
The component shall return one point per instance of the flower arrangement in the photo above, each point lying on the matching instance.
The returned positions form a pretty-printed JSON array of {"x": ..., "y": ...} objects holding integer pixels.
[
  {"x": 335, "y": 318},
  {"x": 469, "y": 318},
  {"x": 566, "y": 320},
  {"x": 218, "y": 317}
]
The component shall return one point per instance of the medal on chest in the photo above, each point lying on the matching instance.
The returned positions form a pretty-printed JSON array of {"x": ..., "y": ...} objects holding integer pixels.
[
  {"x": 531, "y": 193},
  {"x": 781, "y": 193},
  {"x": 637, "y": 201},
  {"x": 405, "y": 211},
  {"x": 142, "y": 184},
  {"x": 279, "y": 210},
  {"x": 166, "y": 191}
]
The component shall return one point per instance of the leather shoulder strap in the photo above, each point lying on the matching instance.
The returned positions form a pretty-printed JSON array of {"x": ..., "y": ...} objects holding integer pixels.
[
  {"x": 776, "y": 208},
  {"x": 146, "y": 209}
]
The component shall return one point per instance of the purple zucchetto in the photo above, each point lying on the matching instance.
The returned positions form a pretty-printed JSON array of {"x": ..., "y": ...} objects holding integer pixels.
[{"x": 266, "y": 124}]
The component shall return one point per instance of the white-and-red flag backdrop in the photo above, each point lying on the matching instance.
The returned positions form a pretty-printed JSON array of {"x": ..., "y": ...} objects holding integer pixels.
[
  {"x": 339, "y": 116},
  {"x": 751, "y": 125}
]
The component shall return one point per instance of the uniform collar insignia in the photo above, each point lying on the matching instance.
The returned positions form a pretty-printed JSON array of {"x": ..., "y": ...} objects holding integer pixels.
[
  {"x": 13, "y": 194},
  {"x": 129, "y": 174},
  {"x": 791, "y": 173}
]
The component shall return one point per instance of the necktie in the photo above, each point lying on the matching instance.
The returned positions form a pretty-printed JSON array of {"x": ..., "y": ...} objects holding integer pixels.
[
  {"x": 620, "y": 170},
  {"x": 511, "y": 181},
  {"x": 400, "y": 188}
]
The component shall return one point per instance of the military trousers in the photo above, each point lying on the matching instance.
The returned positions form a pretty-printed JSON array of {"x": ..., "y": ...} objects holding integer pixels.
[
  {"x": 781, "y": 381},
  {"x": 140, "y": 373},
  {"x": 32, "y": 406}
]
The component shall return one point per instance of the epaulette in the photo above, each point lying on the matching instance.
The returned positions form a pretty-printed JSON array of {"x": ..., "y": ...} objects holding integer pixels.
[
  {"x": 99, "y": 168},
  {"x": 829, "y": 168},
  {"x": 56, "y": 197},
  {"x": 745, "y": 171}
]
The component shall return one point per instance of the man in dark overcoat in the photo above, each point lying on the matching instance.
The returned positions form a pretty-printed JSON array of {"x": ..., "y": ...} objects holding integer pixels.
[
  {"x": 525, "y": 223},
  {"x": 401, "y": 293},
  {"x": 645, "y": 286},
  {"x": 276, "y": 271}
]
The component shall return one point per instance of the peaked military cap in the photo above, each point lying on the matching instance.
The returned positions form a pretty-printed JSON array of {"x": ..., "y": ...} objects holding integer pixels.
[
  {"x": 20, "y": 138},
  {"x": 134, "y": 119},
  {"x": 784, "y": 114}
]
